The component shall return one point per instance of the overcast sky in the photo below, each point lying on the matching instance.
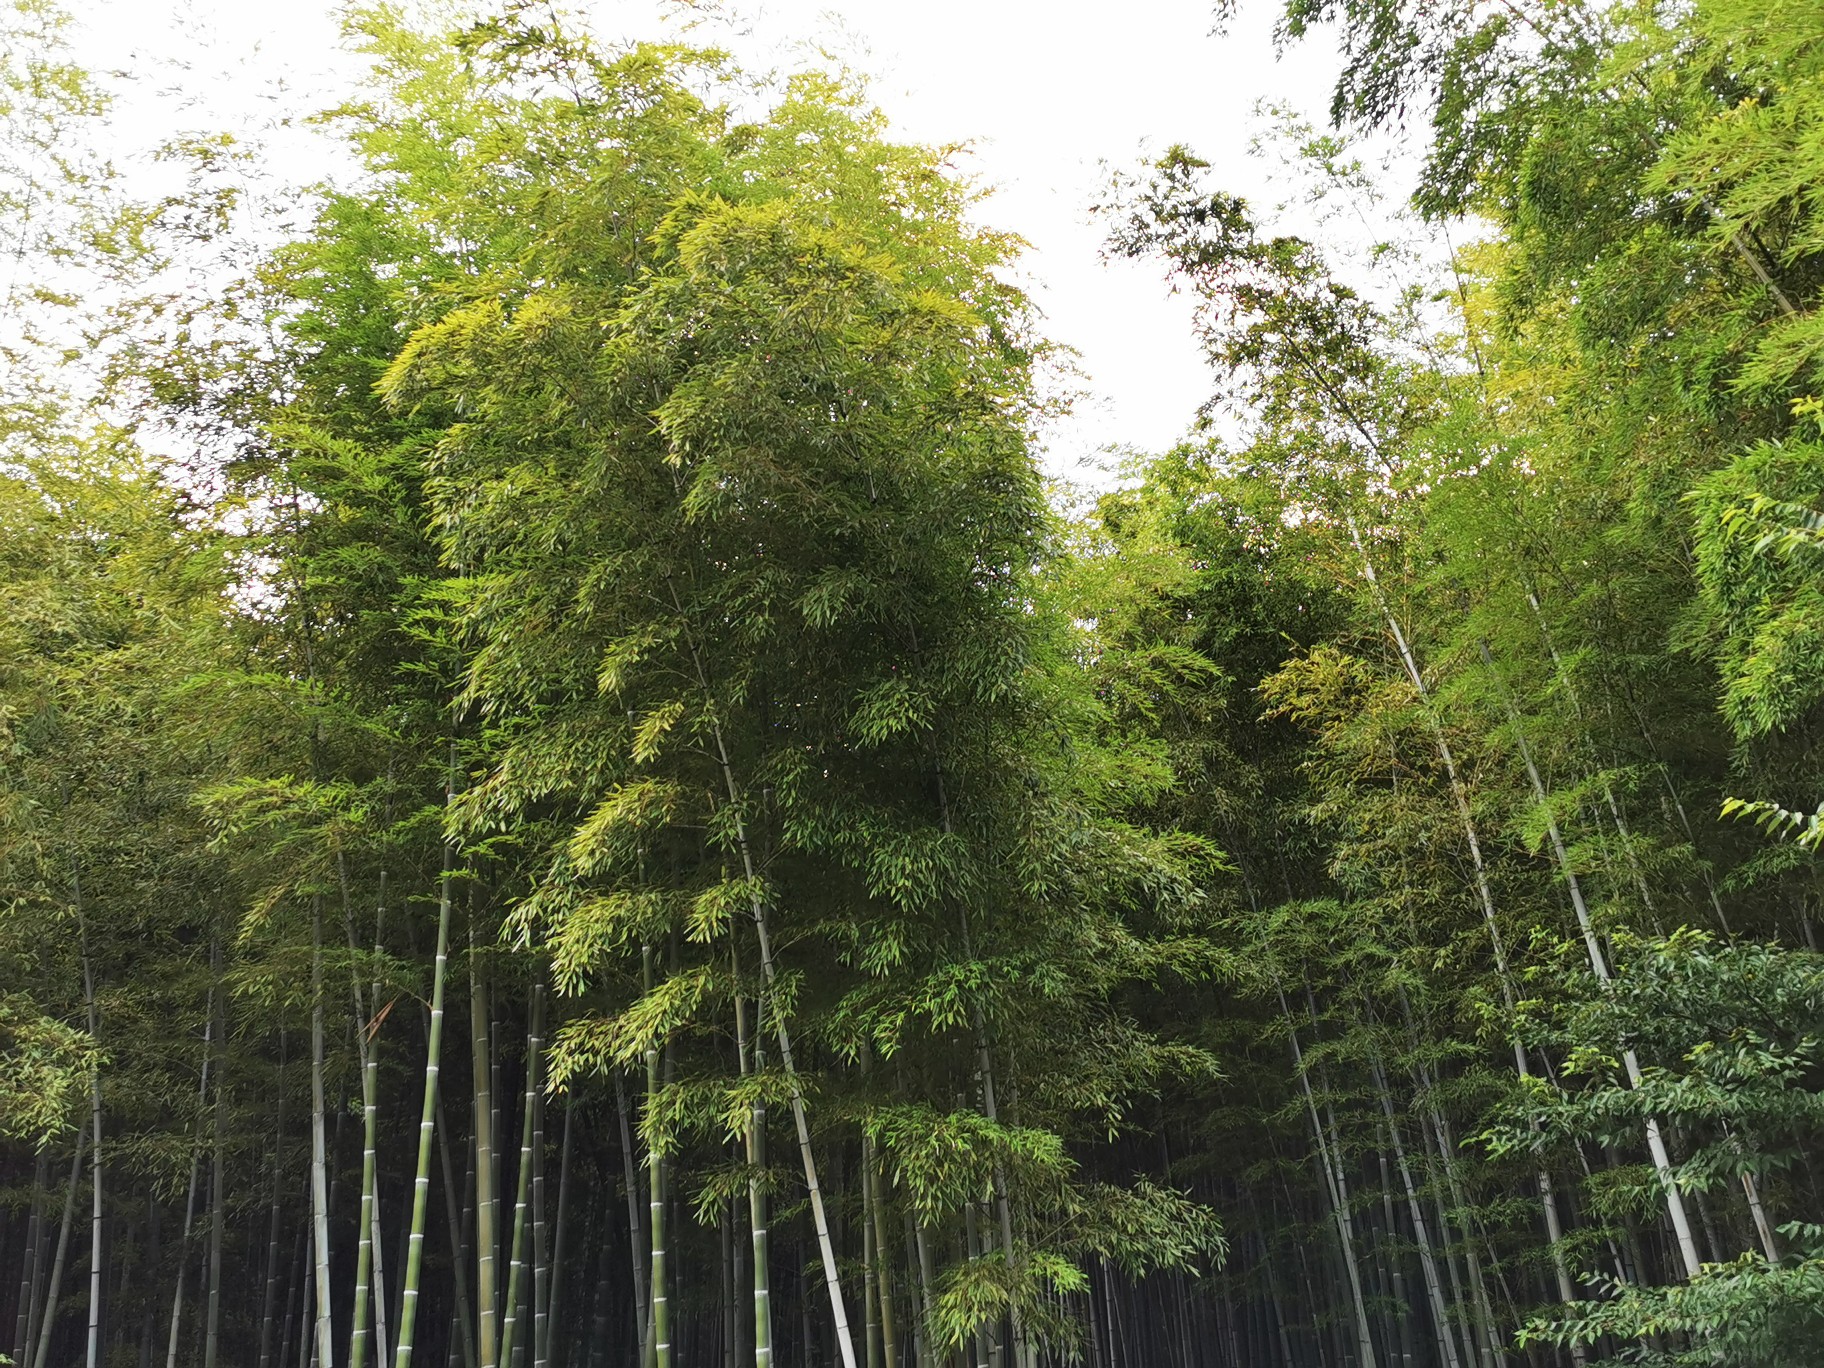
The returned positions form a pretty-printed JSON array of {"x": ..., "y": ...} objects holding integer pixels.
[{"x": 1047, "y": 94}]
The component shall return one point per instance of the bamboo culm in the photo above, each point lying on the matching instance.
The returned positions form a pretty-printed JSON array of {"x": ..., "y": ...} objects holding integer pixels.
[
  {"x": 48, "y": 1317},
  {"x": 487, "y": 1296},
  {"x": 429, "y": 1110},
  {"x": 1656, "y": 1145},
  {"x": 516, "y": 1282}
]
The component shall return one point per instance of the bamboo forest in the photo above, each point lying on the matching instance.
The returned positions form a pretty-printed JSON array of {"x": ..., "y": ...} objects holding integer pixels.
[{"x": 574, "y": 795}]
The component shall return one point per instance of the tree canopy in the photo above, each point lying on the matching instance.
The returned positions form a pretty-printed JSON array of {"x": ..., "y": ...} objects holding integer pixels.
[{"x": 571, "y": 795}]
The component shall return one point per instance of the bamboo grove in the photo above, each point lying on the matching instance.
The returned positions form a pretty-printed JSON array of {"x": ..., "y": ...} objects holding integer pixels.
[{"x": 569, "y": 796}]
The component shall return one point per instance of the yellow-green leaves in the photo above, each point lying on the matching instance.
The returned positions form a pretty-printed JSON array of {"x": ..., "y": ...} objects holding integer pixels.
[
  {"x": 45, "y": 1067},
  {"x": 613, "y": 830},
  {"x": 714, "y": 909},
  {"x": 595, "y": 1044}
]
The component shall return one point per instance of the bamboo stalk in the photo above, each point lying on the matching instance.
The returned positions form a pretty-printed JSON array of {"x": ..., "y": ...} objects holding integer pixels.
[
  {"x": 319, "y": 1156},
  {"x": 1434, "y": 1288},
  {"x": 428, "y": 1112},
  {"x": 636, "y": 1230},
  {"x": 48, "y": 1318},
  {"x": 269, "y": 1307},
  {"x": 456, "y": 1210},
  {"x": 889, "y": 1324},
  {"x": 183, "y": 1258},
  {"x": 1335, "y": 1188},
  {"x": 1485, "y": 895},
  {"x": 295, "y": 1292},
  {"x": 845, "y": 1343},
  {"x": 541, "y": 1252},
  {"x": 372, "y": 1062},
  {"x": 751, "y": 1058},
  {"x": 659, "y": 1351},
  {"x": 360, "y": 1332},
  {"x": 1656, "y": 1145},
  {"x": 487, "y": 1344},
  {"x": 95, "y": 1162},
  {"x": 217, "y": 1213},
  {"x": 29, "y": 1270},
  {"x": 985, "y": 1071},
  {"x": 869, "y": 1274},
  {"x": 927, "y": 1277},
  {"x": 554, "y": 1304},
  {"x": 522, "y": 1196}
]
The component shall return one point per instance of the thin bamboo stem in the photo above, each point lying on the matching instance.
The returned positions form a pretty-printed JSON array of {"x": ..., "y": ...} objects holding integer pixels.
[
  {"x": 522, "y": 1196},
  {"x": 431, "y": 1105},
  {"x": 48, "y": 1318}
]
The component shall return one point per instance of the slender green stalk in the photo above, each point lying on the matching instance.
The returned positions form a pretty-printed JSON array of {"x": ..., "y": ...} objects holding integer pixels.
[
  {"x": 183, "y": 1263},
  {"x": 541, "y": 1272},
  {"x": 845, "y": 1341},
  {"x": 889, "y": 1323},
  {"x": 752, "y": 1059},
  {"x": 522, "y": 1196},
  {"x": 636, "y": 1246},
  {"x": 95, "y": 1165},
  {"x": 269, "y": 1308},
  {"x": 874, "y": 1214},
  {"x": 217, "y": 1209},
  {"x": 456, "y": 1211},
  {"x": 49, "y": 1317},
  {"x": 1434, "y": 1287},
  {"x": 370, "y": 1125},
  {"x": 1459, "y": 793},
  {"x": 869, "y": 1273},
  {"x": 660, "y": 1352},
  {"x": 1335, "y": 1190},
  {"x": 360, "y": 1334},
  {"x": 1656, "y": 1145},
  {"x": 381, "y": 1342},
  {"x": 921, "y": 1325},
  {"x": 487, "y": 1290},
  {"x": 29, "y": 1266},
  {"x": 427, "y": 1115},
  {"x": 553, "y": 1305},
  {"x": 319, "y": 1149}
]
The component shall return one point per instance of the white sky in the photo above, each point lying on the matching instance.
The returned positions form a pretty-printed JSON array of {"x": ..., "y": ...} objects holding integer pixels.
[{"x": 1046, "y": 93}]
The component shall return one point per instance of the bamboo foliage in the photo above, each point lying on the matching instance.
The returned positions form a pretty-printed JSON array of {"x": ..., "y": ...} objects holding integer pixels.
[{"x": 1341, "y": 894}]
